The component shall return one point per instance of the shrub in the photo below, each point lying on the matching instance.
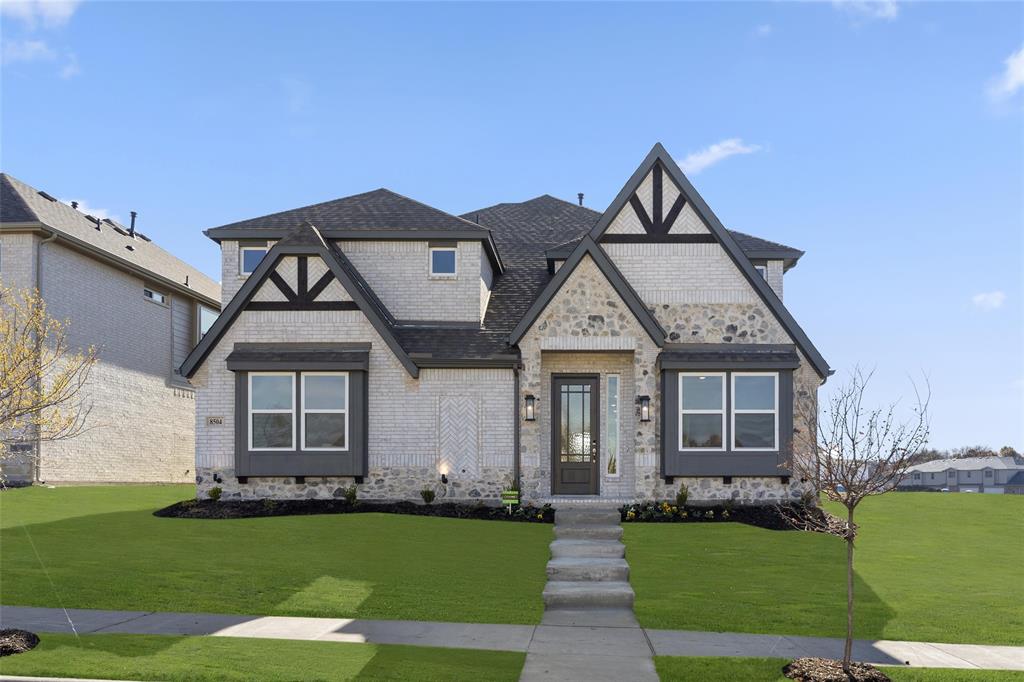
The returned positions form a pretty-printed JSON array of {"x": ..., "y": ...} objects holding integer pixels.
[
  {"x": 428, "y": 495},
  {"x": 215, "y": 493},
  {"x": 682, "y": 495},
  {"x": 350, "y": 494},
  {"x": 269, "y": 504}
]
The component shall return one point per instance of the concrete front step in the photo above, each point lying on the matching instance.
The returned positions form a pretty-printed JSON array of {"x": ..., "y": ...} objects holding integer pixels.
[
  {"x": 572, "y": 594},
  {"x": 588, "y": 531},
  {"x": 578, "y": 516},
  {"x": 581, "y": 569},
  {"x": 610, "y": 549}
]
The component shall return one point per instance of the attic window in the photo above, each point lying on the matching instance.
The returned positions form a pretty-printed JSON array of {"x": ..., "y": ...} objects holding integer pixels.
[
  {"x": 154, "y": 296},
  {"x": 443, "y": 262},
  {"x": 762, "y": 270},
  {"x": 249, "y": 258}
]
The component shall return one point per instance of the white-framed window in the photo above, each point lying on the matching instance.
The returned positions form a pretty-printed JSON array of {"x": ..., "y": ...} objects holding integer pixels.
[
  {"x": 155, "y": 296},
  {"x": 271, "y": 411},
  {"x": 762, "y": 270},
  {"x": 612, "y": 421},
  {"x": 249, "y": 258},
  {"x": 702, "y": 411},
  {"x": 443, "y": 262},
  {"x": 325, "y": 411},
  {"x": 205, "y": 317},
  {"x": 755, "y": 411}
]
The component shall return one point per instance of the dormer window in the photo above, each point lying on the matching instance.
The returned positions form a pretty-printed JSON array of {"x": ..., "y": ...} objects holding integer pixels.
[
  {"x": 249, "y": 258},
  {"x": 443, "y": 262}
]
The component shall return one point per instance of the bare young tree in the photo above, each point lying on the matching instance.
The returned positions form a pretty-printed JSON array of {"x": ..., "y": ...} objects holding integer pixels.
[
  {"x": 851, "y": 452},
  {"x": 41, "y": 375}
]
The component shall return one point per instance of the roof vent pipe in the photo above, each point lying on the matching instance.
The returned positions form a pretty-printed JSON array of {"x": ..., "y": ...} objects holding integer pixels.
[
  {"x": 580, "y": 195},
  {"x": 131, "y": 230},
  {"x": 74, "y": 205}
]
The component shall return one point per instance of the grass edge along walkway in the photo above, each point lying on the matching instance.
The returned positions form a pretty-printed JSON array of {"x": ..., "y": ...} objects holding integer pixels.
[{"x": 213, "y": 659}]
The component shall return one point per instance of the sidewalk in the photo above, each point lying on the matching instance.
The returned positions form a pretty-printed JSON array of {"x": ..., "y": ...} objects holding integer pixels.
[{"x": 505, "y": 637}]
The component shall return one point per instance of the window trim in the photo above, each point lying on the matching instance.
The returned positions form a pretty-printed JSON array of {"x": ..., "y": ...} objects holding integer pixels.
[
  {"x": 734, "y": 411},
  {"x": 454, "y": 274},
  {"x": 242, "y": 272},
  {"x": 304, "y": 411},
  {"x": 152, "y": 298},
  {"x": 762, "y": 269},
  {"x": 249, "y": 413},
  {"x": 617, "y": 393},
  {"x": 683, "y": 411}
]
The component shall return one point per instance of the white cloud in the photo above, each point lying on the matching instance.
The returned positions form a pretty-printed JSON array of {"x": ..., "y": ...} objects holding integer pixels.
[
  {"x": 989, "y": 300},
  {"x": 763, "y": 30},
  {"x": 33, "y": 13},
  {"x": 1011, "y": 80},
  {"x": 27, "y": 51},
  {"x": 698, "y": 161},
  {"x": 85, "y": 209},
  {"x": 869, "y": 9}
]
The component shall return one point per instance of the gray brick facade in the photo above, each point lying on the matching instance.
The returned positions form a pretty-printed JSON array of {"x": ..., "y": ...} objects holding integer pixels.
[{"x": 140, "y": 427}]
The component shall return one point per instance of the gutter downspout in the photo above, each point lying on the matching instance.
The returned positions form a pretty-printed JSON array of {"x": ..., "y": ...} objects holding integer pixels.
[
  {"x": 515, "y": 437},
  {"x": 36, "y": 478}
]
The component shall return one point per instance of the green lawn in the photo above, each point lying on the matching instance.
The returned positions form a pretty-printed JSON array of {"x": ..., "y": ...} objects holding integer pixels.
[
  {"x": 930, "y": 567},
  {"x": 201, "y": 659},
  {"x": 671, "y": 669},
  {"x": 102, "y": 549}
]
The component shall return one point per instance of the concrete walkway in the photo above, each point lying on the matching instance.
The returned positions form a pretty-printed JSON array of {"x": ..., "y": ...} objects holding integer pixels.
[
  {"x": 588, "y": 631},
  {"x": 602, "y": 631}
]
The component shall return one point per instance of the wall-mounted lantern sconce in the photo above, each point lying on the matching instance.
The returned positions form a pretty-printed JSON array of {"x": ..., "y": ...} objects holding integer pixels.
[
  {"x": 531, "y": 408},
  {"x": 645, "y": 407}
]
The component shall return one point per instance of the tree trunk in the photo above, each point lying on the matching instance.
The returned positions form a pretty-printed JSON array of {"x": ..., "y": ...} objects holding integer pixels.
[{"x": 848, "y": 647}]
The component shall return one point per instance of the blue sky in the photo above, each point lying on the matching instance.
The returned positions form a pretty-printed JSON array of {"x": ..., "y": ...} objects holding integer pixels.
[{"x": 886, "y": 140}]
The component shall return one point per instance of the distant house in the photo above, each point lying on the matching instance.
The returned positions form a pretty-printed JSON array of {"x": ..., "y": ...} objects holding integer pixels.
[
  {"x": 143, "y": 310},
  {"x": 975, "y": 474}
]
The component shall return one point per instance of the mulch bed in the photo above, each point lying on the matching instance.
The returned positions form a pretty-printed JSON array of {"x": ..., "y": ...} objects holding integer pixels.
[
  {"x": 13, "y": 641},
  {"x": 770, "y": 516},
  {"x": 829, "y": 670},
  {"x": 245, "y": 509}
]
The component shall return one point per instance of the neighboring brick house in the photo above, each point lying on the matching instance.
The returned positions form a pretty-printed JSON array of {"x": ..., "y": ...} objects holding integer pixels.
[
  {"x": 977, "y": 474},
  {"x": 140, "y": 307},
  {"x": 378, "y": 341}
]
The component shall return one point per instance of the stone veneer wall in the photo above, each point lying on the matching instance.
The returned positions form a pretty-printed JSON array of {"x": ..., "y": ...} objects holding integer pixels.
[
  {"x": 588, "y": 308},
  {"x": 456, "y": 420}
]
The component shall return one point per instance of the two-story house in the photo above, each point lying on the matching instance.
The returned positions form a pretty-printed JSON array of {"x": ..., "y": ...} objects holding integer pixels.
[
  {"x": 376, "y": 341},
  {"x": 141, "y": 308}
]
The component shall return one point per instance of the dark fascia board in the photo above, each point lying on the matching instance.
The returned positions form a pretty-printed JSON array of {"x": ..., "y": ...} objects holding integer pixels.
[
  {"x": 262, "y": 272},
  {"x": 589, "y": 247},
  {"x": 658, "y": 154},
  {"x": 110, "y": 259},
  {"x": 219, "y": 234}
]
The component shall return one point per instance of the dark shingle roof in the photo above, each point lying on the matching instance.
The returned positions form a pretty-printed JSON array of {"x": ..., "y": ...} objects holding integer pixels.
[
  {"x": 523, "y": 232},
  {"x": 380, "y": 209},
  {"x": 21, "y": 203}
]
